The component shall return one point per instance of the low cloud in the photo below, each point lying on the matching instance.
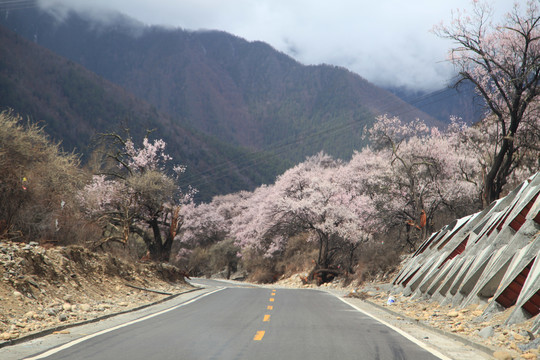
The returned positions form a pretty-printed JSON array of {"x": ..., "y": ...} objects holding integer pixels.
[{"x": 387, "y": 42}]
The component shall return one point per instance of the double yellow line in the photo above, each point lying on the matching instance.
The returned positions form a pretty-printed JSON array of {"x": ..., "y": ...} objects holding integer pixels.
[{"x": 260, "y": 334}]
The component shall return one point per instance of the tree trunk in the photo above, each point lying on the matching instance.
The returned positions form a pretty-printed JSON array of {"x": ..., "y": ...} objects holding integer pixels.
[
  {"x": 158, "y": 250},
  {"x": 496, "y": 177},
  {"x": 323, "y": 250}
]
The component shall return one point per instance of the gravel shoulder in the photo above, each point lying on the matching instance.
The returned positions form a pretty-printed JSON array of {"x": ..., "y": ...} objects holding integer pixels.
[
  {"x": 79, "y": 331},
  {"x": 442, "y": 342}
]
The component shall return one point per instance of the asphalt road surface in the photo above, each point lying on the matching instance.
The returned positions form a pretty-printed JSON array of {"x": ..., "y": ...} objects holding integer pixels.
[{"x": 251, "y": 323}]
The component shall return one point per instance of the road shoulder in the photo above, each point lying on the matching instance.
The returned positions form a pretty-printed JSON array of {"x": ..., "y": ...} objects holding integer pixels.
[
  {"x": 447, "y": 344},
  {"x": 37, "y": 345}
]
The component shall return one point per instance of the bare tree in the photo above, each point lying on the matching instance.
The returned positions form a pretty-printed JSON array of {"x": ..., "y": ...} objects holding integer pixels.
[{"x": 503, "y": 63}]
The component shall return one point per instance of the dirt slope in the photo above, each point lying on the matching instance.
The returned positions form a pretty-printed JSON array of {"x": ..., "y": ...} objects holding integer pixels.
[{"x": 45, "y": 288}]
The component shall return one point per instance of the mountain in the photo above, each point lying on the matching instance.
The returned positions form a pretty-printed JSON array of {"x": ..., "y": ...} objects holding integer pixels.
[
  {"x": 462, "y": 102},
  {"x": 244, "y": 93},
  {"x": 75, "y": 104}
]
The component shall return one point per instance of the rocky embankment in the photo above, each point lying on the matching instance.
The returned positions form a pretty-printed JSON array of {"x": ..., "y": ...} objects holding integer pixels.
[
  {"x": 514, "y": 341},
  {"x": 45, "y": 289}
]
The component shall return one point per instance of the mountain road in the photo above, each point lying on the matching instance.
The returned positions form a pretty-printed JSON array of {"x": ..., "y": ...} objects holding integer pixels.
[{"x": 246, "y": 322}]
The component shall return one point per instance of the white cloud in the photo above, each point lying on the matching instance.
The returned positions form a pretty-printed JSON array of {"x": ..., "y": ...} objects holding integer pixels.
[{"x": 386, "y": 41}]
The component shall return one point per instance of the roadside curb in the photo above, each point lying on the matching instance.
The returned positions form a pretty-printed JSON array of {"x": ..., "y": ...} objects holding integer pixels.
[
  {"x": 90, "y": 321},
  {"x": 480, "y": 347}
]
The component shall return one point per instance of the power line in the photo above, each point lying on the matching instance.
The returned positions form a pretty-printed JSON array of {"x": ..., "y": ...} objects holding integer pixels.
[
  {"x": 388, "y": 105},
  {"x": 17, "y": 4},
  {"x": 247, "y": 161},
  {"x": 282, "y": 148}
]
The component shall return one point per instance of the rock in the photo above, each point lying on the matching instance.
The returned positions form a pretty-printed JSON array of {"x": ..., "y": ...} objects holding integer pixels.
[
  {"x": 103, "y": 307},
  {"x": 123, "y": 303},
  {"x": 502, "y": 355},
  {"x": 518, "y": 337},
  {"x": 64, "y": 332},
  {"x": 5, "y": 336},
  {"x": 527, "y": 334},
  {"x": 452, "y": 314},
  {"x": 529, "y": 356},
  {"x": 486, "y": 332},
  {"x": 29, "y": 315},
  {"x": 530, "y": 345},
  {"x": 67, "y": 307},
  {"x": 460, "y": 328},
  {"x": 85, "y": 307},
  {"x": 17, "y": 294},
  {"x": 62, "y": 317}
]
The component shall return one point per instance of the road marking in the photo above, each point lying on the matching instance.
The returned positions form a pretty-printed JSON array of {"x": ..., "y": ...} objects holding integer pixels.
[
  {"x": 401, "y": 332},
  {"x": 269, "y": 307},
  {"x": 259, "y": 335},
  {"x": 75, "y": 342},
  {"x": 271, "y": 299},
  {"x": 266, "y": 318},
  {"x": 273, "y": 294}
]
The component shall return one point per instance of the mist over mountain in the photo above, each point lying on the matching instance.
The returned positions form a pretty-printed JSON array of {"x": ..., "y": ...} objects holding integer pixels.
[
  {"x": 244, "y": 93},
  {"x": 462, "y": 102}
]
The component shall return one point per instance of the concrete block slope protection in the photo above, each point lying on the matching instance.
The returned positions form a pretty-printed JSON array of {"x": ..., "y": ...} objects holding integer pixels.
[{"x": 491, "y": 257}]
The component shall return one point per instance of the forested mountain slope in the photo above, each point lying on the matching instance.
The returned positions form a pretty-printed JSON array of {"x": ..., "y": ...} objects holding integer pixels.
[
  {"x": 245, "y": 93},
  {"x": 75, "y": 104}
]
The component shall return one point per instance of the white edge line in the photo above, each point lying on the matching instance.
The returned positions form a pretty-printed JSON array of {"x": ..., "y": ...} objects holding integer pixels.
[
  {"x": 84, "y": 338},
  {"x": 401, "y": 332}
]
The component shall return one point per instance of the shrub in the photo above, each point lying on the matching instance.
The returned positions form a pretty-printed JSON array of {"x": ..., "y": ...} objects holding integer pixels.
[
  {"x": 299, "y": 255},
  {"x": 37, "y": 184},
  {"x": 223, "y": 257}
]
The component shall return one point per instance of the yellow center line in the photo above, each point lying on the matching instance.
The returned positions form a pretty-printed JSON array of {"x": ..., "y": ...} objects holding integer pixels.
[
  {"x": 269, "y": 307},
  {"x": 266, "y": 318},
  {"x": 273, "y": 294},
  {"x": 271, "y": 299},
  {"x": 259, "y": 335}
]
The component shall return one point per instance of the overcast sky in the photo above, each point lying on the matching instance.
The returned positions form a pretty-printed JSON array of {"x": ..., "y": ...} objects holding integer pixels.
[{"x": 385, "y": 41}]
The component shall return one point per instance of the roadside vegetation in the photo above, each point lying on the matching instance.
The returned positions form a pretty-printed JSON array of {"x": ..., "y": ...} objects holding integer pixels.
[{"x": 324, "y": 217}]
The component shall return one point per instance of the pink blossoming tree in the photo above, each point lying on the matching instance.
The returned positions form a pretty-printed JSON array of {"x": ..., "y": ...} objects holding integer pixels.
[
  {"x": 137, "y": 195},
  {"x": 305, "y": 199},
  {"x": 411, "y": 168},
  {"x": 502, "y": 61}
]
